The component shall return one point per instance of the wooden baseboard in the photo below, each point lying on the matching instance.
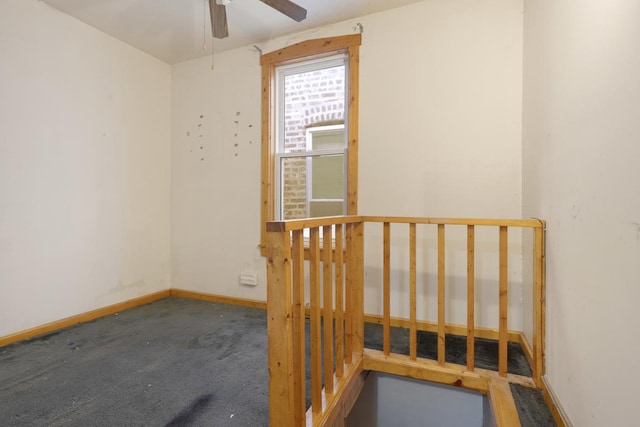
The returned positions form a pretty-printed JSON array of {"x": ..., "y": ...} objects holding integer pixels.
[
  {"x": 82, "y": 318},
  {"x": 526, "y": 348},
  {"x": 181, "y": 293},
  {"x": 559, "y": 416}
]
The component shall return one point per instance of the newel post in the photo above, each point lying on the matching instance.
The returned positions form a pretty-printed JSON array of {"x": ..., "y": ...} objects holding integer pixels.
[
  {"x": 279, "y": 329},
  {"x": 539, "y": 307},
  {"x": 357, "y": 290}
]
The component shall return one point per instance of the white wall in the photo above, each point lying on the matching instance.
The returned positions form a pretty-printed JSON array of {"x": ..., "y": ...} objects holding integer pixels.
[
  {"x": 85, "y": 171},
  {"x": 440, "y": 130},
  {"x": 581, "y": 150},
  {"x": 215, "y": 183},
  {"x": 440, "y": 106},
  {"x": 84, "y": 168}
]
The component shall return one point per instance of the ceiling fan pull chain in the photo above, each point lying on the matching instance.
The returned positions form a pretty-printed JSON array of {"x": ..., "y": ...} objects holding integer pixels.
[
  {"x": 212, "y": 49},
  {"x": 204, "y": 26}
]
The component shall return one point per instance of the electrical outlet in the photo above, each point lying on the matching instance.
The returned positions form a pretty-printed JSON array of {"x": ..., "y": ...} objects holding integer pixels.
[{"x": 249, "y": 279}]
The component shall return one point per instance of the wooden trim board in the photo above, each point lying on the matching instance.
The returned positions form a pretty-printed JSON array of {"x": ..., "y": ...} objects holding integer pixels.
[
  {"x": 182, "y": 293},
  {"x": 82, "y": 318},
  {"x": 559, "y": 415},
  {"x": 526, "y": 348}
]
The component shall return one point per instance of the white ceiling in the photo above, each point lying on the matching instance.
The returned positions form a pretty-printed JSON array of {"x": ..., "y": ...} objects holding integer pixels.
[{"x": 173, "y": 30}]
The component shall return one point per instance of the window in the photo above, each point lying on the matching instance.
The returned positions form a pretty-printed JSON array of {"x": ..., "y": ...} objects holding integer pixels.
[
  {"x": 310, "y": 151},
  {"x": 310, "y": 130},
  {"x": 326, "y": 184}
]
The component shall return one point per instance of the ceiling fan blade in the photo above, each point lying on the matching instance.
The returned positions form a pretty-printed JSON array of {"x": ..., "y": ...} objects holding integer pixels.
[
  {"x": 289, "y": 8},
  {"x": 218, "y": 14}
]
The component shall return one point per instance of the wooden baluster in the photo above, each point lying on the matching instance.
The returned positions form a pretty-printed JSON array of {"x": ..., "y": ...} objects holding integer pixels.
[
  {"x": 441, "y": 297},
  {"x": 280, "y": 330},
  {"x": 413, "y": 346},
  {"x": 538, "y": 298},
  {"x": 348, "y": 303},
  {"x": 314, "y": 299},
  {"x": 339, "y": 289},
  {"x": 504, "y": 301},
  {"x": 327, "y": 323},
  {"x": 299, "y": 380},
  {"x": 471, "y": 297},
  {"x": 386, "y": 293},
  {"x": 358, "y": 287}
]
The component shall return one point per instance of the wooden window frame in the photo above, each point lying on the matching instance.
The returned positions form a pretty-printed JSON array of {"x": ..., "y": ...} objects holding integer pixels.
[{"x": 300, "y": 52}]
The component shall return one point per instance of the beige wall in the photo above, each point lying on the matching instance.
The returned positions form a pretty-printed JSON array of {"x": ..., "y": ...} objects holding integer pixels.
[
  {"x": 440, "y": 124},
  {"x": 440, "y": 129},
  {"x": 581, "y": 148},
  {"x": 84, "y": 168},
  {"x": 215, "y": 181},
  {"x": 440, "y": 120}
]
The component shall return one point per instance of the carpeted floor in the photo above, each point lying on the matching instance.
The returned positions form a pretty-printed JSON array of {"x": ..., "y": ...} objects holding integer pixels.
[
  {"x": 486, "y": 351},
  {"x": 175, "y": 362}
]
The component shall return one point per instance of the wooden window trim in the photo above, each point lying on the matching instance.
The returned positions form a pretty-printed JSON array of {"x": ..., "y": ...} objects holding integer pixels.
[{"x": 300, "y": 52}]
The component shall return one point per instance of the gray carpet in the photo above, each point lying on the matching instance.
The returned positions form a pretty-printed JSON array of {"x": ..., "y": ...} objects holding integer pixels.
[
  {"x": 175, "y": 362},
  {"x": 486, "y": 351},
  {"x": 532, "y": 408}
]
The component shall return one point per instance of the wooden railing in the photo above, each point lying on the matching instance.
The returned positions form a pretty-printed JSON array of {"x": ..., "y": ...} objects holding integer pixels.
[{"x": 334, "y": 248}]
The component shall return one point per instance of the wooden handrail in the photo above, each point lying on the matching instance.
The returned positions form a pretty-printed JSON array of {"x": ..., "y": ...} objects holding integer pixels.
[
  {"x": 334, "y": 247},
  {"x": 527, "y": 223},
  {"x": 299, "y": 224}
]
